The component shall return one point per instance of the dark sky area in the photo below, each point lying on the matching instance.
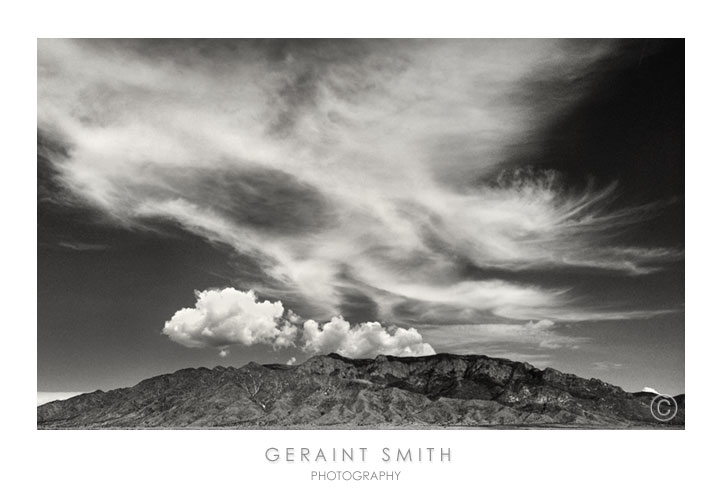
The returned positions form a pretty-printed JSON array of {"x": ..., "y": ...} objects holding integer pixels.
[{"x": 516, "y": 198}]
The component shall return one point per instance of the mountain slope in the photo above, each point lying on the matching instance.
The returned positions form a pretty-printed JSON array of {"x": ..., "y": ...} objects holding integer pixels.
[{"x": 327, "y": 391}]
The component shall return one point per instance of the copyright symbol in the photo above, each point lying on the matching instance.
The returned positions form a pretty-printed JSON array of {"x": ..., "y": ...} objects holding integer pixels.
[{"x": 663, "y": 408}]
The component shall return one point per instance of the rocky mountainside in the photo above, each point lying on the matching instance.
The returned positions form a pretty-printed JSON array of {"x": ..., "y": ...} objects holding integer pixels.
[{"x": 333, "y": 391}]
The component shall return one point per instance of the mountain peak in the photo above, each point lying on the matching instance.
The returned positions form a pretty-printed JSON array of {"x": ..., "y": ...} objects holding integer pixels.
[{"x": 332, "y": 390}]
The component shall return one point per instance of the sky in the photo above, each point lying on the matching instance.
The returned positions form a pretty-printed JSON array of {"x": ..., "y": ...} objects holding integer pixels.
[{"x": 206, "y": 202}]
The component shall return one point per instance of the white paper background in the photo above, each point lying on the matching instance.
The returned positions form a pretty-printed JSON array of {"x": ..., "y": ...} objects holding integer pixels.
[{"x": 180, "y": 464}]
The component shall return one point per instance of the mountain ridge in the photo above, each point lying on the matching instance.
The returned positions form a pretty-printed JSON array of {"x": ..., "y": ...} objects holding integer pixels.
[{"x": 334, "y": 391}]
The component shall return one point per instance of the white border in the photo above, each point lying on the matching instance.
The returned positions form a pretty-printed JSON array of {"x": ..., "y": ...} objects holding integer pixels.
[{"x": 485, "y": 463}]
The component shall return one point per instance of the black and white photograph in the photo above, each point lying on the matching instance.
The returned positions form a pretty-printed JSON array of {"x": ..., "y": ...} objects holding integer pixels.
[
  {"x": 360, "y": 234},
  {"x": 360, "y": 249},
  {"x": 381, "y": 249}
]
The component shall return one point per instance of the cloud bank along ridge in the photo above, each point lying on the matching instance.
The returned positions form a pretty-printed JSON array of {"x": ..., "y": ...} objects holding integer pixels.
[{"x": 222, "y": 318}]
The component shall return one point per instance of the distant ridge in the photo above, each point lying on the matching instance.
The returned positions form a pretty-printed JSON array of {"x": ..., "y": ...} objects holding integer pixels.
[{"x": 334, "y": 391}]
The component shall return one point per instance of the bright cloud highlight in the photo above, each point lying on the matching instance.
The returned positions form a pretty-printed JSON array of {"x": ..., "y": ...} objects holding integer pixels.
[
  {"x": 365, "y": 165},
  {"x": 228, "y": 317}
]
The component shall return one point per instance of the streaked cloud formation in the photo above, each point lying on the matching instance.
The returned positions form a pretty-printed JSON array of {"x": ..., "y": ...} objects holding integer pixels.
[
  {"x": 228, "y": 317},
  {"x": 531, "y": 341},
  {"x": 606, "y": 366},
  {"x": 373, "y": 169},
  {"x": 78, "y": 246}
]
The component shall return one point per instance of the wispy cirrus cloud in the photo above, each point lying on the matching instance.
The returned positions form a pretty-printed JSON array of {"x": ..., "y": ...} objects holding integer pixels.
[
  {"x": 606, "y": 365},
  {"x": 338, "y": 166},
  {"x": 80, "y": 246},
  {"x": 542, "y": 334}
]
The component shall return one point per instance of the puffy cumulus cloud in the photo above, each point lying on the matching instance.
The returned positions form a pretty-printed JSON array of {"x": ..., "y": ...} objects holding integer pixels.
[
  {"x": 363, "y": 340},
  {"x": 227, "y": 317}
]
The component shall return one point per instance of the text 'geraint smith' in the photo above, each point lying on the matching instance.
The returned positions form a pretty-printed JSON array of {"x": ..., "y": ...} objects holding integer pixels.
[{"x": 357, "y": 454}]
